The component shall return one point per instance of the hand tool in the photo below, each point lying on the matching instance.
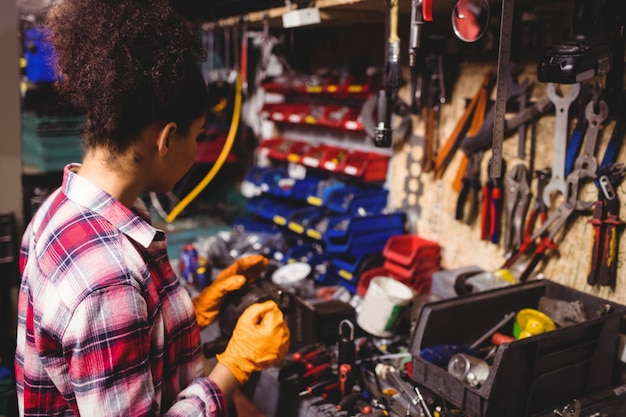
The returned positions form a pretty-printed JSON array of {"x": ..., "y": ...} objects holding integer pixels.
[
  {"x": 348, "y": 400},
  {"x": 393, "y": 80},
  {"x": 521, "y": 130},
  {"x": 561, "y": 104},
  {"x": 433, "y": 98},
  {"x": 469, "y": 194},
  {"x": 615, "y": 141},
  {"x": 587, "y": 160},
  {"x": 517, "y": 199},
  {"x": 557, "y": 219},
  {"x": 471, "y": 121},
  {"x": 321, "y": 387},
  {"x": 504, "y": 53},
  {"x": 484, "y": 136},
  {"x": 407, "y": 389},
  {"x": 491, "y": 210},
  {"x": 607, "y": 227},
  {"x": 538, "y": 212},
  {"x": 590, "y": 92},
  {"x": 421, "y": 11},
  {"x": 482, "y": 140}
]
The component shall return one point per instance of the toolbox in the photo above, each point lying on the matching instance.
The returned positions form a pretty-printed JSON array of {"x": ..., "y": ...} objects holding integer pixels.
[{"x": 528, "y": 375}]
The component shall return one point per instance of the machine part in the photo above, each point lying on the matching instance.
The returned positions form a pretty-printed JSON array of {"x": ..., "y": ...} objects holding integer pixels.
[
  {"x": 236, "y": 302},
  {"x": 504, "y": 53},
  {"x": 470, "y": 19},
  {"x": 561, "y": 104},
  {"x": 469, "y": 369}
]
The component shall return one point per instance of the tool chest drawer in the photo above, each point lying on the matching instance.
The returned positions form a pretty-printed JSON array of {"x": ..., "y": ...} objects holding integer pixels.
[{"x": 527, "y": 375}]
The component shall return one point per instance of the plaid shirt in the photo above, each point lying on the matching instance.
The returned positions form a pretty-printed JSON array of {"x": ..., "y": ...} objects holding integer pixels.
[{"x": 104, "y": 326}]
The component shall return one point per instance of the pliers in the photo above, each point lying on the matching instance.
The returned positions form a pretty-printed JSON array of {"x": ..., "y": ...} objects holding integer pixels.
[
  {"x": 491, "y": 208},
  {"x": 517, "y": 199},
  {"x": 538, "y": 212},
  {"x": 607, "y": 226},
  {"x": 469, "y": 191},
  {"x": 557, "y": 219}
]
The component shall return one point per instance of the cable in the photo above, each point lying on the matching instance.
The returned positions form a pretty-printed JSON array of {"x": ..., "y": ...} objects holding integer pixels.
[{"x": 219, "y": 162}]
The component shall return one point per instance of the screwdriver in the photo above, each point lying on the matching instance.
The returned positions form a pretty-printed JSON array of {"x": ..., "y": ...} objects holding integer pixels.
[{"x": 321, "y": 387}]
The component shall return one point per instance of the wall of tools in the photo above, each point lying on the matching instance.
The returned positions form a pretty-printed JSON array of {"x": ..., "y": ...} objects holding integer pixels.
[
  {"x": 462, "y": 240},
  {"x": 554, "y": 209}
]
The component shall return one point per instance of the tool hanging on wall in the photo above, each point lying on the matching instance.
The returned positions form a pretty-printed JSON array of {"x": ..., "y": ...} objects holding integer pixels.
[
  {"x": 504, "y": 53},
  {"x": 607, "y": 227},
  {"x": 468, "y": 124},
  {"x": 469, "y": 195},
  {"x": 483, "y": 139},
  {"x": 421, "y": 11},
  {"x": 590, "y": 92},
  {"x": 433, "y": 97},
  {"x": 516, "y": 199},
  {"x": 538, "y": 213},
  {"x": 393, "y": 80},
  {"x": 491, "y": 206},
  {"x": 561, "y": 123},
  {"x": 606, "y": 221}
]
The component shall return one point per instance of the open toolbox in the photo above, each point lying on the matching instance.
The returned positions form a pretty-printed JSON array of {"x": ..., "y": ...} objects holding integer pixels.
[{"x": 527, "y": 375}]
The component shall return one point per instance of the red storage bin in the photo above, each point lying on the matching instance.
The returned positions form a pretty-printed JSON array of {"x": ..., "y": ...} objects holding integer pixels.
[
  {"x": 409, "y": 256},
  {"x": 368, "y": 166}
]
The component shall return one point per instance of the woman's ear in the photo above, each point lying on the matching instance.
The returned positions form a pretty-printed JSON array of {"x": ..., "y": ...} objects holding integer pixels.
[{"x": 164, "y": 138}]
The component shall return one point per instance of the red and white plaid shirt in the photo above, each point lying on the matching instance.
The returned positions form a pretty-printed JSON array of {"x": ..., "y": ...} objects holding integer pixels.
[{"x": 104, "y": 326}]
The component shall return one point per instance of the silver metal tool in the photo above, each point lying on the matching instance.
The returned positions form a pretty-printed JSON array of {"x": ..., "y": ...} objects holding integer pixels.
[
  {"x": 587, "y": 159},
  {"x": 504, "y": 53},
  {"x": 561, "y": 104}
]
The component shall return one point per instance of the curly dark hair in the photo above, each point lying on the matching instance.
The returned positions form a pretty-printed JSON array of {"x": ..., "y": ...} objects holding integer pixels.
[{"x": 126, "y": 64}]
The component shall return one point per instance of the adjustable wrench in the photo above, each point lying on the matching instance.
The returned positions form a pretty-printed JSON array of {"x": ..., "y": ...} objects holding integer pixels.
[
  {"x": 587, "y": 159},
  {"x": 561, "y": 104}
]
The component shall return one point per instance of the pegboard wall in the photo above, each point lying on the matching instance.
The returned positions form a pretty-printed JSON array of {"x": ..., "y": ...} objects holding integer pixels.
[{"x": 435, "y": 204}]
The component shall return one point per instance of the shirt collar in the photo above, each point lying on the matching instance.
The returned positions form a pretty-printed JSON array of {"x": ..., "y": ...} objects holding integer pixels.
[{"x": 90, "y": 196}]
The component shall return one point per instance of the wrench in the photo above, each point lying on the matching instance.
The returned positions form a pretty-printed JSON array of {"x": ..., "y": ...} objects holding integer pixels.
[
  {"x": 587, "y": 159},
  {"x": 561, "y": 104}
]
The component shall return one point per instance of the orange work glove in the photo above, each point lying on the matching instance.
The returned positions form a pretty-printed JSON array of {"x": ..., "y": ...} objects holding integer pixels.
[
  {"x": 207, "y": 303},
  {"x": 260, "y": 339}
]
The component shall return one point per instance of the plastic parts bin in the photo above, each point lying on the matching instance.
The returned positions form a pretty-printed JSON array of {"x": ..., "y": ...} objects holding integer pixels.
[{"x": 528, "y": 375}]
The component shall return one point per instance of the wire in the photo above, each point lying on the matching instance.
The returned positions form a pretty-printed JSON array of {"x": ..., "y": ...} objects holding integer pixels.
[{"x": 219, "y": 162}]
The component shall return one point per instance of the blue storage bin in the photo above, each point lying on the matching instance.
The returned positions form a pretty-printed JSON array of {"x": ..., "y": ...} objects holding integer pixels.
[
  {"x": 302, "y": 218},
  {"x": 39, "y": 56},
  {"x": 318, "y": 195},
  {"x": 349, "y": 200}
]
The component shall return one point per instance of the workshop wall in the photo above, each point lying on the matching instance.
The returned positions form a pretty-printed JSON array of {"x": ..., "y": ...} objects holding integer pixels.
[{"x": 461, "y": 243}]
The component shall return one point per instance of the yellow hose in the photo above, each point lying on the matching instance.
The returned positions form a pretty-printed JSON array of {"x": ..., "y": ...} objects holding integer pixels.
[{"x": 219, "y": 162}]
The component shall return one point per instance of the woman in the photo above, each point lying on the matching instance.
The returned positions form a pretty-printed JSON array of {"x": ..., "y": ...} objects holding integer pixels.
[{"x": 104, "y": 327}]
